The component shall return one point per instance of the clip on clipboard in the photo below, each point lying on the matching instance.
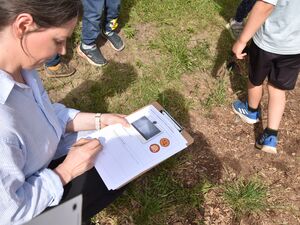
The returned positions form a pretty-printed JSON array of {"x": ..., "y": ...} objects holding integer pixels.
[
  {"x": 167, "y": 115},
  {"x": 154, "y": 136}
]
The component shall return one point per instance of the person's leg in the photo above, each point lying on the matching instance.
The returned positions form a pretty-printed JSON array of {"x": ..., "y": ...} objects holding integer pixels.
[
  {"x": 112, "y": 8},
  {"x": 56, "y": 68},
  {"x": 236, "y": 24},
  {"x": 94, "y": 192},
  {"x": 53, "y": 61},
  {"x": 254, "y": 95},
  {"x": 283, "y": 76},
  {"x": 249, "y": 111},
  {"x": 243, "y": 10},
  {"x": 91, "y": 21},
  {"x": 276, "y": 106},
  {"x": 259, "y": 68},
  {"x": 250, "y": 5},
  {"x": 267, "y": 141}
]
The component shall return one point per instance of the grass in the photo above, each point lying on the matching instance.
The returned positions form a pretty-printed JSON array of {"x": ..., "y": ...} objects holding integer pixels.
[
  {"x": 161, "y": 196},
  {"x": 186, "y": 37},
  {"x": 129, "y": 31},
  {"x": 245, "y": 197},
  {"x": 217, "y": 96},
  {"x": 183, "y": 58}
]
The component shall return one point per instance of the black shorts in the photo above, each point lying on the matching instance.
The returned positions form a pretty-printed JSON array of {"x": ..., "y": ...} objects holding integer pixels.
[{"x": 282, "y": 70}]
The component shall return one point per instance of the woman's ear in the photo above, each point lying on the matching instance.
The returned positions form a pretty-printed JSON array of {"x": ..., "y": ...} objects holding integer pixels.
[{"x": 23, "y": 24}]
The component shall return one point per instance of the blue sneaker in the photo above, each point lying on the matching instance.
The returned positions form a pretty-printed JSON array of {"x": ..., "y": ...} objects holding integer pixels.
[
  {"x": 267, "y": 143},
  {"x": 241, "y": 109}
]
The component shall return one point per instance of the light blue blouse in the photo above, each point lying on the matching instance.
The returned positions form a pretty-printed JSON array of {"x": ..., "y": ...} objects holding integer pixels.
[{"x": 30, "y": 130}]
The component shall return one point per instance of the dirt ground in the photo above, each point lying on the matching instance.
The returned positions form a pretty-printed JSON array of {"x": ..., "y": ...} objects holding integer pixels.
[
  {"x": 224, "y": 149},
  {"x": 224, "y": 146}
]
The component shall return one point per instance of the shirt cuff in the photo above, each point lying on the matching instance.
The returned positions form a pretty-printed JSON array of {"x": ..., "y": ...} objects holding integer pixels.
[
  {"x": 53, "y": 184},
  {"x": 72, "y": 113}
]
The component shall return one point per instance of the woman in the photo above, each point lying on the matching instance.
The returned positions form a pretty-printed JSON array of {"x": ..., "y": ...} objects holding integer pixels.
[{"x": 34, "y": 132}]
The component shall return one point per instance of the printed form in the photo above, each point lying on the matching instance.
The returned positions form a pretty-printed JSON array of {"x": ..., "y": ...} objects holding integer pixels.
[{"x": 129, "y": 152}]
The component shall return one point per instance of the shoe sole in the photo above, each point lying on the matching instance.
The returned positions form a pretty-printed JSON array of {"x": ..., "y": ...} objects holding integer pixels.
[
  {"x": 57, "y": 76},
  {"x": 118, "y": 50},
  {"x": 87, "y": 58},
  {"x": 113, "y": 47},
  {"x": 244, "y": 118},
  {"x": 267, "y": 149}
]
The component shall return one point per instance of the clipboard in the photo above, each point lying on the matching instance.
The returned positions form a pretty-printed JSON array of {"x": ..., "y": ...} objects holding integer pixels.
[
  {"x": 183, "y": 132},
  {"x": 153, "y": 137}
]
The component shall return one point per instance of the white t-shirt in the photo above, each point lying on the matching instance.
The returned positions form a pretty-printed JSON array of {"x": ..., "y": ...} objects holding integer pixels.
[{"x": 280, "y": 34}]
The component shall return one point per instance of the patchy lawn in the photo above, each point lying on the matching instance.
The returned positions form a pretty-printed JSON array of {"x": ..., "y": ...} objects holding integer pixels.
[{"x": 176, "y": 53}]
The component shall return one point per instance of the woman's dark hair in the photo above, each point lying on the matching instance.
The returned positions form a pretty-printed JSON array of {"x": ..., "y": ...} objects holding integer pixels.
[{"x": 45, "y": 13}]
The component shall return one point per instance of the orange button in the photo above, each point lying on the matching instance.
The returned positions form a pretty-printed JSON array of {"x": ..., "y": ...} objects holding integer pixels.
[
  {"x": 154, "y": 148},
  {"x": 165, "y": 142}
]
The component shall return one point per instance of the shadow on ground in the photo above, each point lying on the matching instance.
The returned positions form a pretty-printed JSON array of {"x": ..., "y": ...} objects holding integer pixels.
[
  {"x": 227, "y": 8},
  {"x": 168, "y": 188},
  {"x": 204, "y": 164},
  {"x": 186, "y": 173},
  {"x": 125, "y": 10},
  {"x": 227, "y": 64},
  {"x": 92, "y": 96}
]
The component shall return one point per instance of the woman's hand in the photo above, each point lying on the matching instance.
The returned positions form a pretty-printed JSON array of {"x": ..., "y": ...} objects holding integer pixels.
[
  {"x": 238, "y": 48},
  {"x": 80, "y": 159},
  {"x": 111, "y": 118}
]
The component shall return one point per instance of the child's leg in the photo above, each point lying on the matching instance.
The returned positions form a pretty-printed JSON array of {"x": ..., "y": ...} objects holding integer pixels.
[
  {"x": 111, "y": 23},
  {"x": 248, "y": 110},
  {"x": 267, "y": 141},
  {"x": 91, "y": 20},
  {"x": 283, "y": 76},
  {"x": 243, "y": 9},
  {"x": 112, "y": 14},
  {"x": 276, "y": 107},
  {"x": 254, "y": 95},
  {"x": 236, "y": 24},
  {"x": 91, "y": 23}
]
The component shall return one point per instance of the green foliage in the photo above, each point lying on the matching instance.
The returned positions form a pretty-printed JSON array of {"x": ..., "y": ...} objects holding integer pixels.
[
  {"x": 186, "y": 35},
  {"x": 76, "y": 36},
  {"x": 245, "y": 197},
  {"x": 176, "y": 47},
  {"x": 217, "y": 96},
  {"x": 174, "y": 12},
  {"x": 178, "y": 56},
  {"x": 160, "y": 195},
  {"x": 129, "y": 31},
  {"x": 116, "y": 79}
]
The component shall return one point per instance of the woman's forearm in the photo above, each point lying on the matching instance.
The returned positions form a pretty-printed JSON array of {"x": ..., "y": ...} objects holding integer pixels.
[
  {"x": 87, "y": 121},
  {"x": 82, "y": 121}
]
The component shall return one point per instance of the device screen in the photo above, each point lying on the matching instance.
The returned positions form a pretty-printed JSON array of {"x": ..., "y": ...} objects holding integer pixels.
[{"x": 145, "y": 127}]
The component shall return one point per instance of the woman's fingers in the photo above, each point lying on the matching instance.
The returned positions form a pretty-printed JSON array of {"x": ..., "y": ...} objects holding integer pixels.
[{"x": 87, "y": 142}]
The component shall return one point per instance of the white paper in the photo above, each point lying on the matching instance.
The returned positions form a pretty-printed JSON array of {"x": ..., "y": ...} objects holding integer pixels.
[{"x": 125, "y": 155}]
